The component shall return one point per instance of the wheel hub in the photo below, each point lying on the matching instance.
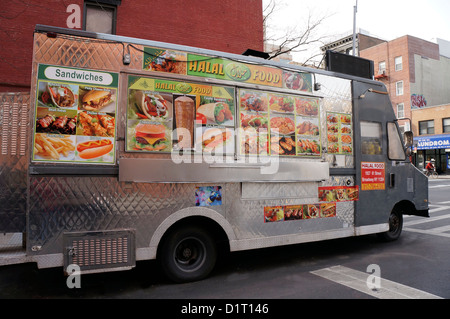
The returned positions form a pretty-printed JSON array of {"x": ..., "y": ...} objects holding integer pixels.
[{"x": 187, "y": 253}]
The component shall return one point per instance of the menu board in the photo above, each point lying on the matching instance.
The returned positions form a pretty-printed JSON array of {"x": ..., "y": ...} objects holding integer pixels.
[
  {"x": 179, "y": 62},
  {"x": 339, "y": 133},
  {"x": 279, "y": 124},
  {"x": 75, "y": 116},
  {"x": 168, "y": 116}
]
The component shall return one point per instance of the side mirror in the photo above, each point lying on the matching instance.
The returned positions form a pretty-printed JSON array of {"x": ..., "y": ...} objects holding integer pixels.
[{"x": 408, "y": 137}]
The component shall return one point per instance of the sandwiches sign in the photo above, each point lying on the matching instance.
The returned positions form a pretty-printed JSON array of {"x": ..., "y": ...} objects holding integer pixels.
[
  {"x": 75, "y": 116},
  {"x": 57, "y": 73}
]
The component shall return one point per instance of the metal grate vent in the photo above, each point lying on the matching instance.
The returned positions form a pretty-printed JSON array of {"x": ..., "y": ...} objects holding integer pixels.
[
  {"x": 93, "y": 251},
  {"x": 14, "y": 123}
]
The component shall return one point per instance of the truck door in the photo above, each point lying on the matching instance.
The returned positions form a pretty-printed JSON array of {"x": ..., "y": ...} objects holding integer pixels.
[{"x": 372, "y": 110}]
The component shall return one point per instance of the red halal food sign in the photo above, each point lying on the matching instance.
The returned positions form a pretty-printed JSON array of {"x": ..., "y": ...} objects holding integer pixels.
[{"x": 373, "y": 176}]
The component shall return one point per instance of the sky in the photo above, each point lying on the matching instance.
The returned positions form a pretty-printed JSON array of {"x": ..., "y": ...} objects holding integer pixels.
[{"x": 385, "y": 19}]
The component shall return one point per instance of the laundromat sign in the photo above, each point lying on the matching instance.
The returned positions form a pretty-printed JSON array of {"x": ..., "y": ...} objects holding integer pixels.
[{"x": 432, "y": 142}]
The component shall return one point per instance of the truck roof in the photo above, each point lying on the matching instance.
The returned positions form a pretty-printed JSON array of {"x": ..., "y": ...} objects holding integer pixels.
[{"x": 170, "y": 46}]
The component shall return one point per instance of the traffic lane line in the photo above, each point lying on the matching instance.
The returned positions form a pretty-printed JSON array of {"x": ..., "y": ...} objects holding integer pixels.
[
  {"x": 427, "y": 220},
  {"x": 359, "y": 281},
  {"x": 427, "y": 232}
]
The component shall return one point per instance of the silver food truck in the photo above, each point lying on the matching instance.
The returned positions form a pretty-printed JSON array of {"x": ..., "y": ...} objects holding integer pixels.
[{"x": 128, "y": 150}]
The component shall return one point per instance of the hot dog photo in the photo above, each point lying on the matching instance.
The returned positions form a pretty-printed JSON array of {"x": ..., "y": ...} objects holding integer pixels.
[
  {"x": 95, "y": 149},
  {"x": 215, "y": 141}
]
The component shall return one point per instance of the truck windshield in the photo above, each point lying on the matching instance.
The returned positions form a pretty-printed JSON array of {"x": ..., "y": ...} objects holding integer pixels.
[{"x": 395, "y": 145}]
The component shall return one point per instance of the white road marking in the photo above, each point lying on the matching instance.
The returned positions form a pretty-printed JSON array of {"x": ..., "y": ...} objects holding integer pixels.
[
  {"x": 439, "y": 186},
  {"x": 426, "y": 220},
  {"x": 358, "y": 280},
  {"x": 437, "y": 231}
]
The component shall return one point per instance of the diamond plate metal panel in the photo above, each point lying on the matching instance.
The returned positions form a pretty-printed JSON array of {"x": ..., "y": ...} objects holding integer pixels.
[
  {"x": 92, "y": 203},
  {"x": 84, "y": 53}
]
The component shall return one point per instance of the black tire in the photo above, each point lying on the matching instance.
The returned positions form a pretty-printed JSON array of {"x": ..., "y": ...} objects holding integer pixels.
[
  {"x": 395, "y": 227},
  {"x": 188, "y": 254}
]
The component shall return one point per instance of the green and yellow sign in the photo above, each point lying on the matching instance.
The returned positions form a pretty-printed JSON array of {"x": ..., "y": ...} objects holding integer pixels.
[{"x": 161, "y": 60}]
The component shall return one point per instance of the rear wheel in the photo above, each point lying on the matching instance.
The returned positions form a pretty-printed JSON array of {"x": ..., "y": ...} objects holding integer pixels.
[
  {"x": 395, "y": 227},
  {"x": 188, "y": 254}
]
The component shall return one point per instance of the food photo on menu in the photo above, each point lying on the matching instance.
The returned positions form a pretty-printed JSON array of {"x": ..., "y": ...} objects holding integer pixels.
[
  {"x": 151, "y": 136},
  {"x": 281, "y": 103},
  {"x": 56, "y": 121},
  {"x": 307, "y": 106},
  {"x": 96, "y": 124},
  {"x": 97, "y": 99},
  {"x": 54, "y": 147},
  {"x": 214, "y": 140},
  {"x": 150, "y": 105},
  {"x": 95, "y": 149},
  {"x": 282, "y": 132},
  {"x": 252, "y": 101},
  {"x": 217, "y": 113},
  {"x": 184, "y": 121},
  {"x": 57, "y": 95},
  {"x": 215, "y": 121}
]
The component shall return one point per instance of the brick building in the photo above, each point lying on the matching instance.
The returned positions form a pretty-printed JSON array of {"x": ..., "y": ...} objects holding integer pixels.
[
  {"x": 417, "y": 74},
  {"x": 218, "y": 25}
]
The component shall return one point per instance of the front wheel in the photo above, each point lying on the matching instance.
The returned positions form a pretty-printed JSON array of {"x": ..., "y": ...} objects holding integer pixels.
[
  {"x": 395, "y": 227},
  {"x": 188, "y": 254}
]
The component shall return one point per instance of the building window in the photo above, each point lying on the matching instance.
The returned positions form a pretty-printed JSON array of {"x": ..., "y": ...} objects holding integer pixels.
[
  {"x": 398, "y": 63},
  {"x": 426, "y": 127},
  {"x": 446, "y": 125},
  {"x": 381, "y": 67},
  {"x": 400, "y": 111},
  {"x": 399, "y": 88},
  {"x": 100, "y": 17}
]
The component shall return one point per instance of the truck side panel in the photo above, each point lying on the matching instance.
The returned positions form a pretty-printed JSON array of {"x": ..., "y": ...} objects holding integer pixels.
[{"x": 14, "y": 151}]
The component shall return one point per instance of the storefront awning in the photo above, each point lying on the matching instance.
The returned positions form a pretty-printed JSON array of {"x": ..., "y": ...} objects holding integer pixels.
[{"x": 432, "y": 142}]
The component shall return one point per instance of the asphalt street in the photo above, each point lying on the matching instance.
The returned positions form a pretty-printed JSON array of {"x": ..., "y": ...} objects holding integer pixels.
[{"x": 416, "y": 266}]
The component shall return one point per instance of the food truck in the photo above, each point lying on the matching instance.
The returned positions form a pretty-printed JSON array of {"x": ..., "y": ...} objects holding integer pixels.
[{"x": 130, "y": 149}]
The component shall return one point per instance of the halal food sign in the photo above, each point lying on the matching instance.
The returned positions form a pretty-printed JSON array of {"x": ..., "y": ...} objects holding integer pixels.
[
  {"x": 179, "y": 62},
  {"x": 235, "y": 71}
]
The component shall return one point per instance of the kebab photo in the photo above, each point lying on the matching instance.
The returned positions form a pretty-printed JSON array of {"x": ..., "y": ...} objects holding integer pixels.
[
  {"x": 56, "y": 124},
  {"x": 92, "y": 124}
]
